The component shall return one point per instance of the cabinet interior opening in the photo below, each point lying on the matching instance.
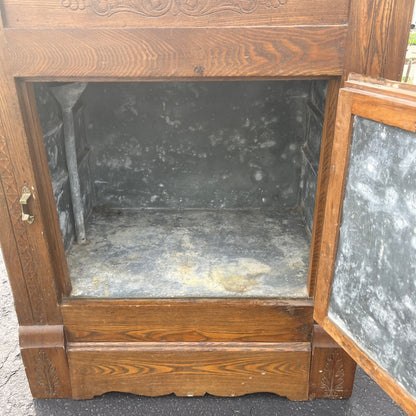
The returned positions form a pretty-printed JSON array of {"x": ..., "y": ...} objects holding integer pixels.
[{"x": 184, "y": 189}]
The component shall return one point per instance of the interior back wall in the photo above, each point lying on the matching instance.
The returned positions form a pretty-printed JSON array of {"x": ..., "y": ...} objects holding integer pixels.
[{"x": 196, "y": 145}]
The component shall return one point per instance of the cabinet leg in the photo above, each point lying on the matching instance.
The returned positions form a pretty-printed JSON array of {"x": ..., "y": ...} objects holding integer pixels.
[
  {"x": 332, "y": 369},
  {"x": 44, "y": 358}
]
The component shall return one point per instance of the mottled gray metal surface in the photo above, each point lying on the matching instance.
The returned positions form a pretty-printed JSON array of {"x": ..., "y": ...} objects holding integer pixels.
[
  {"x": 51, "y": 119},
  {"x": 67, "y": 96},
  {"x": 193, "y": 145},
  {"x": 191, "y": 253},
  {"x": 211, "y": 145},
  {"x": 53, "y": 135},
  {"x": 314, "y": 115},
  {"x": 374, "y": 290}
]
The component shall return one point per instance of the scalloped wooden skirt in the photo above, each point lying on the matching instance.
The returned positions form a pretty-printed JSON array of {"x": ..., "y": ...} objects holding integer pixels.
[{"x": 190, "y": 369}]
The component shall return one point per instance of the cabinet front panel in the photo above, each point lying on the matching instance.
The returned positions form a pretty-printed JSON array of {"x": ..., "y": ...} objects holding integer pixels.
[
  {"x": 221, "y": 369},
  {"x": 191, "y": 321},
  {"x": 161, "y": 53}
]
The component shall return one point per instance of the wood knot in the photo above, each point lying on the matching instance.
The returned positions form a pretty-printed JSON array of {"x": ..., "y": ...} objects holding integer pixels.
[{"x": 199, "y": 69}]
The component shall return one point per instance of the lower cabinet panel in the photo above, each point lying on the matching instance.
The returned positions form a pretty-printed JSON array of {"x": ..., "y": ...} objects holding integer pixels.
[{"x": 190, "y": 369}]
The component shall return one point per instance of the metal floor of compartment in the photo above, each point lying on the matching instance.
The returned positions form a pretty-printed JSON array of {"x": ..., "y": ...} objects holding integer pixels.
[{"x": 191, "y": 253}]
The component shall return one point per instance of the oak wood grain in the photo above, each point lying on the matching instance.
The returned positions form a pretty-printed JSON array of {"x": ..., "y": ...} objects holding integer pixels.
[
  {"x": 189, "y": 369},
  {"x": 377, "y": 39},
  {"x": 322, "y": 181},
  {"x": 179, "y": 52},
  {"x": 188, "y": 320},
  {"x": 333, "y": 209},
  {"x": 208, "y": 13},
  {"x": 14, "y": 268},
  {"x": 44, "y": 357},
  {"x": 16, "y": 171},
  {"x": 332, "y": 369}
]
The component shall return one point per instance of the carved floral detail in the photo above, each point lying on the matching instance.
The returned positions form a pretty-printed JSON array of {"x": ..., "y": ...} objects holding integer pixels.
[
  {"x": 158, "y": 8},
  {"x": 332, "y": 382},
  {"x": 46, "y": 374}
]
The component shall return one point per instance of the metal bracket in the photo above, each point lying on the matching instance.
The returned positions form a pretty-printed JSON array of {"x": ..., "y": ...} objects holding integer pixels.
[{"x": 26, "y": 194}]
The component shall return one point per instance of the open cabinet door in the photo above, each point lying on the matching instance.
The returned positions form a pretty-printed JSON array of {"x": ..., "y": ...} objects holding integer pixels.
[{"x": 366, "y": 289}]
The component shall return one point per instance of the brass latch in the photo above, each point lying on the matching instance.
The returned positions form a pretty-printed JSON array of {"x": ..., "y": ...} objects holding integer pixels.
[{"x": 26, "y": 194}]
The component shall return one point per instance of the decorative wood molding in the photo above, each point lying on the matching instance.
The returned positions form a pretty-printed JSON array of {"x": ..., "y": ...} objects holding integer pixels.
[
  {"x": 46, "y": 374},
  {"x": 333, "y": 375},
  {"x": 158, "y": 8}
]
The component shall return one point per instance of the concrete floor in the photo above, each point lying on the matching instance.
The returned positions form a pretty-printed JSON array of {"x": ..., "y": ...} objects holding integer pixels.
[{"x": 15, "y": 398}]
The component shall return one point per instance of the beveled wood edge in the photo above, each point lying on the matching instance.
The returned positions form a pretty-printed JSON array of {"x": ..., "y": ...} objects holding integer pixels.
[
  {"x": 388, "y": 87},
  {"x": 393, "y": 111},
  {"x": 333, "y": 206},
  {"x": 121, "y": 80},
  {"x": 322, "y": 181},
  {"x": 191, "y": 346},
  {"x": 395, "y": 390},
  {"x": 355, "y": 102},
  {"x": 75, "y": 302}
]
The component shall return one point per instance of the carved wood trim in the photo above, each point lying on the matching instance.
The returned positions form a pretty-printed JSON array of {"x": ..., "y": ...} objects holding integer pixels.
[
  {"x": 46, "y": 374},
  {"x": 333, "y": 375},
  {"x": 153, "y": 8}
]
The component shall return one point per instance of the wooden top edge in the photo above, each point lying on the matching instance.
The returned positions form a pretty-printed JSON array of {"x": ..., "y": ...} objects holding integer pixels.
[
  {"x": 96, "y": 302},
  {"x": 380, "y": 84},
  {"x": 235, "y": 78},
  {"x": 192, "y": 346}
]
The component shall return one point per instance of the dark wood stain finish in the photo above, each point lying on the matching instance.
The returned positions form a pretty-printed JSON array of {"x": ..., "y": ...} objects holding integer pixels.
[
  {"x": 190, "y": 369},
  {"x": 204, "y": 346},
  {"x": 176, "y": 52},
  {"x": 172, "y": 13},
  {"x": 332, "y": 369},
  {"x": 188, "y": 321}
]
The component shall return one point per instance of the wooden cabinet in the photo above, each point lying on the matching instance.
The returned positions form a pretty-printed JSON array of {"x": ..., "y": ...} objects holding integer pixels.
[{"x": 81, "y": 346}]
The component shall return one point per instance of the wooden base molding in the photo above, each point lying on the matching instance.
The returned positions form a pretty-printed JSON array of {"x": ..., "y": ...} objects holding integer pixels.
[
  {"x": 190, "y": 369},
  {"x": 44, "y": 358}
]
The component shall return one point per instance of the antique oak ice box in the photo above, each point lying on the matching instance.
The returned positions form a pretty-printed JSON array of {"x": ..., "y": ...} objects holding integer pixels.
[{"x": 195, "y": 194}]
